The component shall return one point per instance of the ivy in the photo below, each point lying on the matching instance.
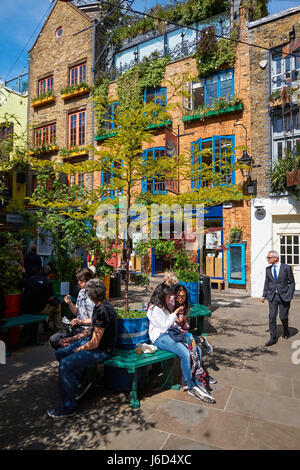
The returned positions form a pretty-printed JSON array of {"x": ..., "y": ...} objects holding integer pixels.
[
  {"x": 256, "y": 9},
  {"x": 100, "y": 94},
  {"x": 212, "y": 55}
]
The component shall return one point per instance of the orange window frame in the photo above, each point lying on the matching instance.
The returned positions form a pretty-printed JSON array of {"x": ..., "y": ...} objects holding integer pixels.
[
  {"x": 45, "y": 85},
  {"x": 45, "y": 135},
  {"x": 77, "y": 74},
  {"x": 77, "y": 129}
]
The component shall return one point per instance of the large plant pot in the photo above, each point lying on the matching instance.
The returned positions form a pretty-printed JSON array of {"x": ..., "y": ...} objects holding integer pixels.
[
  {"x": 12, "y": 309},
  {"x": 132, "y": 331},
  {"x": 193, "y": 291}
]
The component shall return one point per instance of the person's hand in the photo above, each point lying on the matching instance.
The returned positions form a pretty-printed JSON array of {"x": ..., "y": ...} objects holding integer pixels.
[
  {"x": 180, "y": 318},
  {"x": 262, "y": 299},
  {"x": 67, "y": 299},
  {"x": 66, "y": 342},
  {"x": 75, "y": 321},
  {"x": 179, "y": 310}
]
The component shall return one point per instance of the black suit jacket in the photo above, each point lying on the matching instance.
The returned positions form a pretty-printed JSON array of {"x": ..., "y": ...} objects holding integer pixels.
[{"x": 285, "y": 284}]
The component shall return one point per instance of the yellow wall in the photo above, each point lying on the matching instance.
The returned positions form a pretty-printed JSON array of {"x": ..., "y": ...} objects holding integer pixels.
[{"x": 13, "y": 107}]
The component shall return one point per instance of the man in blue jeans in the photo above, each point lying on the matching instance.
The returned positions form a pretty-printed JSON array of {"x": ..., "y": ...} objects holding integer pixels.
[{"x": 89, "y": 347}]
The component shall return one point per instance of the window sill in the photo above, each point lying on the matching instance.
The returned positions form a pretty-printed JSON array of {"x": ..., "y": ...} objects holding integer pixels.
[
  {"x": 75, "y": 153},
  {"x": 105, "y": 136},
  {"x": 212, "y": 113},
  {"x": 42, "y": 101},
  {"x": 43, "y": 150}
]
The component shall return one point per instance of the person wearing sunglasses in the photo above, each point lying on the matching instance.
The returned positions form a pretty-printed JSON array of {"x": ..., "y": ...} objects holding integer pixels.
[{"x": 279, "y": 289}]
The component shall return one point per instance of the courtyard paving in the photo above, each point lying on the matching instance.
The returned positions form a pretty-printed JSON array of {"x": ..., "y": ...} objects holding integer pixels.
[{"x": 257, "y": 394}]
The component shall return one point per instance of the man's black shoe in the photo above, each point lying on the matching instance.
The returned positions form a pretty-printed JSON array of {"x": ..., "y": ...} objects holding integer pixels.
[
  {"x": 286, "y": 335},
  {"x": 270, "y": 342}
]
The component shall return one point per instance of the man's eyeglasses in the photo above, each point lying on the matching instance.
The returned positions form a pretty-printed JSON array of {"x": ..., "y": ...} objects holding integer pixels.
[{"x": 269, "y": 257}]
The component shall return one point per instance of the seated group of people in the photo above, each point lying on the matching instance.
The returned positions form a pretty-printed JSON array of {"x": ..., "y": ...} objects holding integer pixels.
[{"x": 91, "y": 336}]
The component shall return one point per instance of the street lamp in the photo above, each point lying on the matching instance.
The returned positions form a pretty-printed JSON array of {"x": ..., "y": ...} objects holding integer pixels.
[{"x": 248, "y": 161}]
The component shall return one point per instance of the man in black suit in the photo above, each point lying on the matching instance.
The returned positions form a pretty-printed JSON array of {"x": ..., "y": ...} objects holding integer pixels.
[{"x": 278, "y": 290}]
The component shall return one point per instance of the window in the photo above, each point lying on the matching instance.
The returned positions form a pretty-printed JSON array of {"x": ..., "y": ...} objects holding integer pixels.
[
  {"x": 205, "y": 91},
  {"x": 154, "y": 185},
  {"x": 286, "y": 134},
  {"x": 77, "y": 127},
  {"x": 45, "y": 85},
  {"x": 6, "y": 139},
  {"x": 289, "y": 249},
  {"x": 158, "y": 96},
  {"x": 285, "y": 70},
  {"x": 107, "y": 177},
  {"x": 77, "y": 74},
  {"x": 45, "y": 135},
  {"x": 110, "y": 115},
  {"x": 214, "y": 154},
  {"x": 80, "y": 179}
]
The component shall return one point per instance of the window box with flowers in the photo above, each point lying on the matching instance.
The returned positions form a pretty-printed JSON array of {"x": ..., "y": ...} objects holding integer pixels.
[
  {"x": 44, "y": 98},
  {"x": 220, "y": 106},
  {"x": 73, "y": 152},
  {"x": 75, "y": 90},
  {"x": 43, "y": 149}
]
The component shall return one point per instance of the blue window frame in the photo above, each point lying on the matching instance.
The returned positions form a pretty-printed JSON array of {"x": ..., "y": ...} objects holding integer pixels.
[
  {"x": 236, "y": 263},
  {"x": 109, "y": 117},
  {"x": 210, "y": 151},
  {"x": 107, "y": 176},
  {"x": 205, "y": 91},
  {"x": 158, "y": 96},
  {"x": 153, "y": 185}
]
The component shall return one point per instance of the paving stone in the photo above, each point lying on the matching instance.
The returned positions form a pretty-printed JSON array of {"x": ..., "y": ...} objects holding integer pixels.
[
  {"x": 283, "y": 410},
  {"x": 219, "y": 392},
  {"x": 206, "y": 425},
  {"x": 266, "y": 435},
  {"x": 179, "y": 443}
]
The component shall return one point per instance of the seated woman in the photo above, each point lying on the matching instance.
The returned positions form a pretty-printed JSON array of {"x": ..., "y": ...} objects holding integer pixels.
[
  {"x": 181, "y": 300},
  {"x": 160, "y": 320},
  {"x": 83, "y": 311}
]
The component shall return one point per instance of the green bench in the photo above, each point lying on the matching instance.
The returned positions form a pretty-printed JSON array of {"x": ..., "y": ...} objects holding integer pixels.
[
  {"x": 20, "y": 320},
  {"x": 199, "y": 312},
  {"x": 130, "y": 360}
]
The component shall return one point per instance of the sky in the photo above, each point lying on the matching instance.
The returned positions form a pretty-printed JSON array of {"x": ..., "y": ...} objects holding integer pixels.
[{"x": 22, "y": 20}]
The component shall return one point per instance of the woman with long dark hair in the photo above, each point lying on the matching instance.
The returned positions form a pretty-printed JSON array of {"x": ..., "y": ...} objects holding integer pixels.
[{"x": 160, "y": 320}]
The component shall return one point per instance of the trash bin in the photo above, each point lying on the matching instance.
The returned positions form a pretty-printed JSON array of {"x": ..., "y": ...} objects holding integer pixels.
[
  {"x": 115, "y": 285},
  {"x": 204, "y": 290}
]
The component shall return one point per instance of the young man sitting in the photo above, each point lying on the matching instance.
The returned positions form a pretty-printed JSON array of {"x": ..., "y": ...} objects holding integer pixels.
[{"x": 89, "y": 347}]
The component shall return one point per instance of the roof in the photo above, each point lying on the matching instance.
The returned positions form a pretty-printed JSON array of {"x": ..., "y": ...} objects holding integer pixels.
[
  {"x": 274, "y": 17},
  {"x": 71, "y": 6}
]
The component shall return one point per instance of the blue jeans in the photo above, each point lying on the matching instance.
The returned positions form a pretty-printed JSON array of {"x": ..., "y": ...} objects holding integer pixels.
[
  {"x": 165, "y": 342},
  {"x": 70, "y": 366}
]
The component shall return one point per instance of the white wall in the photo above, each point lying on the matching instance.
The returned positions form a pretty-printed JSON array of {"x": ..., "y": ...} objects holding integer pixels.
[{"x": 261, "y": 243}]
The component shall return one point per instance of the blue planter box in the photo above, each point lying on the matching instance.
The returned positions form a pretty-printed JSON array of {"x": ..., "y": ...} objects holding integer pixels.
[
  {"x": 132, "y": 331},
  {"x": 193, "y": 291}
]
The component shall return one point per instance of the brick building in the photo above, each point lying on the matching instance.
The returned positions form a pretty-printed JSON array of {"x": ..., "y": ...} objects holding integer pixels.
[
  {"x": 275, "y": 130},
  {"x": 227, "y": 264}
]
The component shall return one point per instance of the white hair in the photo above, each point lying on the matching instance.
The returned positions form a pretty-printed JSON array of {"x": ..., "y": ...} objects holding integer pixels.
[{"x": 274, "y": 253}]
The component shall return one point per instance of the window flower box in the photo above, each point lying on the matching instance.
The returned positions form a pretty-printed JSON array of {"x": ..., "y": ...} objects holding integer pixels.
[
  {"x": 43, "y": 150},
  {"x": 76, "y": 92},
  {"x": 73, "y": 152},
  {"x": 103, "y": 136},
  {"x": 42, "y": 100},
  {"x": 212, "y": 113}
]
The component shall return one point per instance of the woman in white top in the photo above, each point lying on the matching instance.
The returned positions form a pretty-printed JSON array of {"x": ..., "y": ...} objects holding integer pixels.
[
  {"x": 83, "y": 311},
  {"x": 160, "y": 320}
]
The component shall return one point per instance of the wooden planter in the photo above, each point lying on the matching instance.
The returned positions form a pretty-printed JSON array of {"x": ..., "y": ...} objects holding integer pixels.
[
  {"x": 42, "y": 101},
  {"x": 73, "y": 94},
  {"x": 293, "y": 178},
  {"x": 51, "y": 148},
  {"x": 76, "y": 153}
]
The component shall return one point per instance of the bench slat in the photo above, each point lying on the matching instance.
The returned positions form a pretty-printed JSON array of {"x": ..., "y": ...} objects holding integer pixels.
[{"x": 21, "y": 320}]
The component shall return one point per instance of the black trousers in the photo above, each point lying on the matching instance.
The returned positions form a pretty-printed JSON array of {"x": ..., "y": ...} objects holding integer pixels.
[
  {"x": 65, "y": 332},
  {"x": 275, "y": 306}
]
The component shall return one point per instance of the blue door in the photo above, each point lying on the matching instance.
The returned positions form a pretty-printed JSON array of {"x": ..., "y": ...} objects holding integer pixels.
[{"x": 236, "y": 263}]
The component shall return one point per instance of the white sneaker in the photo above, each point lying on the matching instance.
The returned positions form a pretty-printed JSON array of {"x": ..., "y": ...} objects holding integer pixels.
[{"x": 200, "y": 392}]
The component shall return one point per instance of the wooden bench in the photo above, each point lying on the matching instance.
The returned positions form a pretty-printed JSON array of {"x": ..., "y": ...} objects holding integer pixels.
[
  {"x": 198, "y": 312},
  {"x": 131, "y": 361},
  {"x": 20, "y": 320}
]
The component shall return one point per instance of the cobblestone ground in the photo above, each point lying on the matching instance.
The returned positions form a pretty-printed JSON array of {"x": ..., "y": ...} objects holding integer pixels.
[{"x": 257, "y": 393}]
